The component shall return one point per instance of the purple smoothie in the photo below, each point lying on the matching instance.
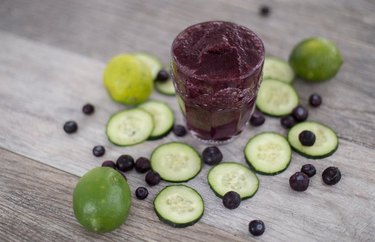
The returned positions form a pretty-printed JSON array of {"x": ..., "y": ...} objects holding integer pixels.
[{"x": 217, "y": 68}]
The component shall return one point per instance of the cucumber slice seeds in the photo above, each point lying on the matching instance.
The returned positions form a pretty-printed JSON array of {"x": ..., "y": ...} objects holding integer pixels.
[
  {"x": 268, "y": 153},
  {"x": 179, "y": 206},
  {"x": 326, "y": 141},
  {"x": 162, "y": 116},
  {"x": 176, "y": 162},
  {"x": 277, "y": 69},
  {"x": 232, "y": 176},
  {"x": 276, "y": 98},
  {"x": 129, "y": 127}
]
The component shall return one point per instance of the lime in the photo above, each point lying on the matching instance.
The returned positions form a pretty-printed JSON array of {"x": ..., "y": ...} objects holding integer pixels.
[
  {"x": 316, "y": 59},
  {"x": 101, "y": 200},
  {"x": 128, "y": 80}
]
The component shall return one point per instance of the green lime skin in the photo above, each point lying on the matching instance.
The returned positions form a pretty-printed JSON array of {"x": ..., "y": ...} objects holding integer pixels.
[
  {"x": 101, "y": 200},
  {"x": 316, "y": 59},
  {"x": 128, "y": 80}
]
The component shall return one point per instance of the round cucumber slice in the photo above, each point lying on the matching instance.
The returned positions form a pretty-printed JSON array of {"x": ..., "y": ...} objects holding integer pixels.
[
  {"x": 152, "y": 63},
  {"x": 179, "y": 206},
  {"x": 232, "y": 176},
  {"x": 277, "y": 69},
  {"x": 129, "y": 127},
  {"x": 166, "y": 87},
  {"x": 326, "y": 141},
  {"x": 176, "y": 162},
  {"x": 268, "y": 153},
  {"x": 276, "y": 98},
  {"x": 162, "y": 115}
]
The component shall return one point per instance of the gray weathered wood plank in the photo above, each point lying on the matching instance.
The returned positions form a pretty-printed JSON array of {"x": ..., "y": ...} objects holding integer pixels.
[
  {"x": 51, "y": 64},
  {"x": 36, "y": 205},
  {"x": 60, "y": 87}
]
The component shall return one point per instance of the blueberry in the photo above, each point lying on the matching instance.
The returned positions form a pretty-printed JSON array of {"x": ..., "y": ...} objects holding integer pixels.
[
  {"x": 109, "y": 163},
  {"x": 231, "y": 200},
  {"x": 307, "y": 138},
  {"x": 141, "y": 193},
  {"x": 299, "y": 181},
  {"x": 315, "y": 100},
  {"x": 300, "y": 113},
  {"x": 179, "y": 130},
  {"x": 212, "y": 155},
  {"x": 70, "y": 127},
  {"x": 264, "y": 11},
  {"x": 152, "y": 178},
  {"x": 125, "y": 163},
  {"x": 142, "y": 165},
  {"x": 257, "y": 119},
  {"x": 309, "y": 170},
  {"x": 287, "y": 121},
  {"x": 88, "y": 109},
  {"x": 256, "y": 227},
  {"x": 98, "y": 150},
  {"x": 331, "y": 175},
  {"x": 162, "y": 76}
]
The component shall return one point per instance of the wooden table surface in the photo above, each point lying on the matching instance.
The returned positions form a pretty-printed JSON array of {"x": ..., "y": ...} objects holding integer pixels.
[{"x": 51, "y": 62}]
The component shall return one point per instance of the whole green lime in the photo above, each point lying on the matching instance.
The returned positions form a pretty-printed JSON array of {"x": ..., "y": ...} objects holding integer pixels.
[
  {"x": 101, "y": 200},
  {"x": 316, "y": 59},
  {"x": 128, "y": 80}
]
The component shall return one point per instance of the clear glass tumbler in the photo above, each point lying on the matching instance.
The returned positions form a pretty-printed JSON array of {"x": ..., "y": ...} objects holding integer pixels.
[{"x": 217, "y": 70}]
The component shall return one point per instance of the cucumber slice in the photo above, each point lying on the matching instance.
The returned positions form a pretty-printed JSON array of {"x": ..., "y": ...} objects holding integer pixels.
[
  {"x": 179, "y": 206},
  {"x": 176, "y": 162},
  {"x": 326, "y": 141},
  {"x": 276, "y": 98},
  {"x": 277, "y": 69},
  {"x": 268, "y": 153},
  {"x": 232, "y": 176},
  {"x": 129, "y": 127},
  {"x": 165, "y": 88},
  {"x": 162, "y": 115},
  {"x": 152, "y": 62}
]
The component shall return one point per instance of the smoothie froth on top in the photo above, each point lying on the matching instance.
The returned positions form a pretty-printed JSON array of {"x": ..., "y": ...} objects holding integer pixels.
[{"x": 217, "y": 50}]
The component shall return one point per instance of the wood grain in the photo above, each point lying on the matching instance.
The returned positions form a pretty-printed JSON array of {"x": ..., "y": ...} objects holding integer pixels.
[
  {"x": 36, "y": 206},
  {"x": 51, "y": 64}
]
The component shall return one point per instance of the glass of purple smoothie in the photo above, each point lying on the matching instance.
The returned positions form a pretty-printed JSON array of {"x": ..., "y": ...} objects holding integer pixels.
[{"x": 217, "y": 69}]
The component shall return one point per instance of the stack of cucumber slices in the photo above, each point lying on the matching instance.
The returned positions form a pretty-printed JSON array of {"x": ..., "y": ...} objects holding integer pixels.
[
  {"x": 150, "y": 120},
  {"x": 155, "y": 65},
  {"x": 276, "y": 96},
  {"x": 270, "y": 153}
]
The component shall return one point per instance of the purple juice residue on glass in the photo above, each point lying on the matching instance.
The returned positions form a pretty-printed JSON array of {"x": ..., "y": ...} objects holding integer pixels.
[{"x": 216, "y": 68}]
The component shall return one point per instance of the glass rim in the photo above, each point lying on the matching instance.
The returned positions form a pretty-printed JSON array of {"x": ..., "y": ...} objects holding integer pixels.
[{"x": 186, "y": 70}]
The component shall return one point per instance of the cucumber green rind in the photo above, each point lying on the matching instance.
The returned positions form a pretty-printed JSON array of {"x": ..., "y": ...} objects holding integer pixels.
[
  {"x": 171, "y": 223},
  {"x": 162, "y": 89},
  {"x": 170, "y": 113},
  {"x": 156, "y": 137},
  {"x": 221, "y": 196},
  {"x": 249, "y": 162},
  {"x": 318, "y": 156},
  {"x": 242, "y": 198},
  {"x": 182, "y": 180},
  {"x": 125, "y": 145},
  {"x": 310, "y": 156},
  {"x": 265, "y": 173}
]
